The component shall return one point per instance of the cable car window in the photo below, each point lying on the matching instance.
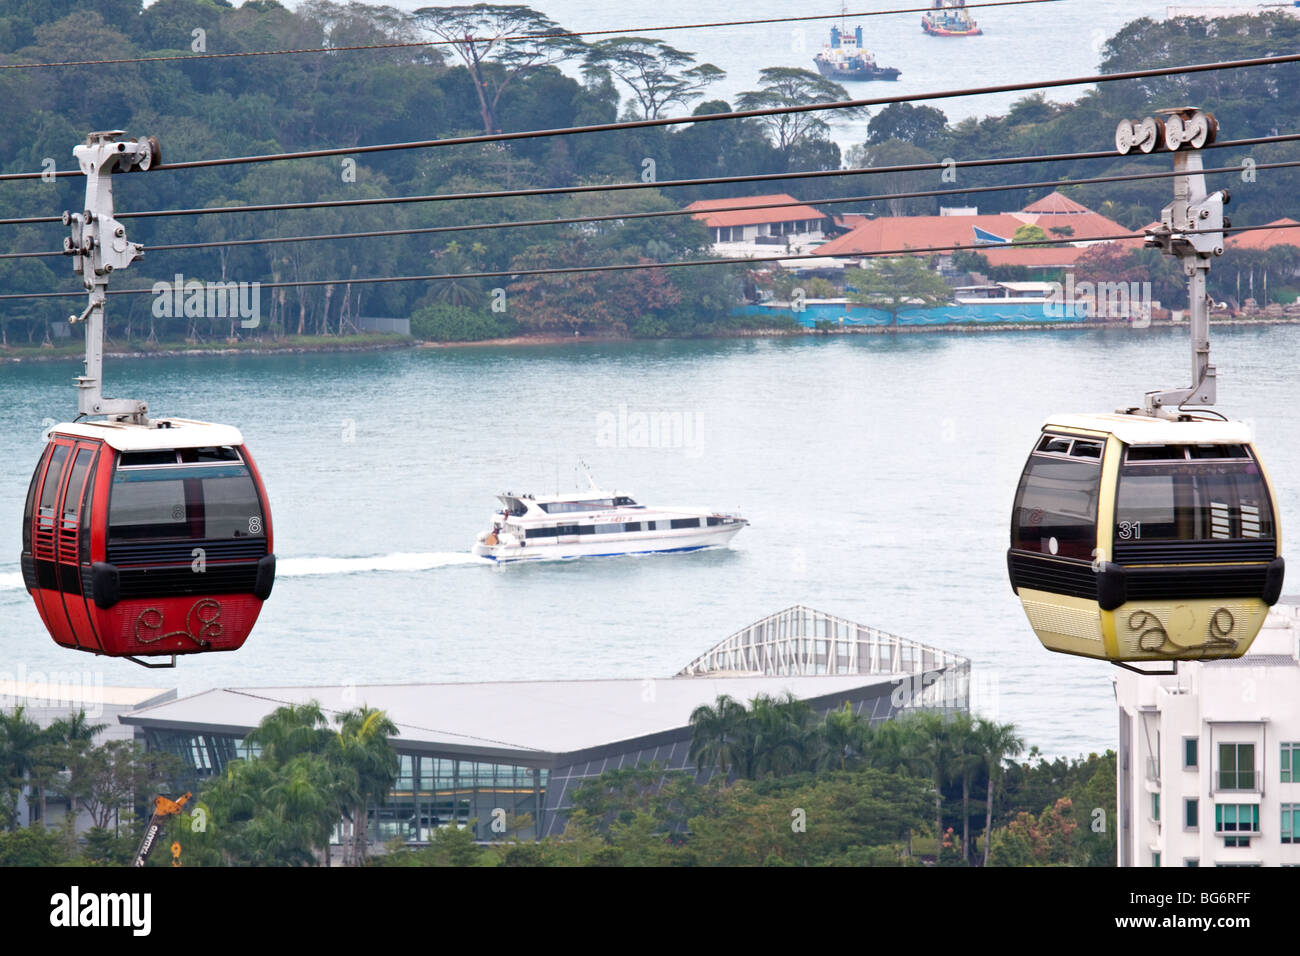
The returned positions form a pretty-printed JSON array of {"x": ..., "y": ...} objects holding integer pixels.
[
  {"x": 223, "y": 453},
  {"x": 1054, "y": 444},
  {"x": 196, "y": 501},
  {"x": 1191, "y": 500},
  {"x": 1156, "y": 453},
  {"x": 1086, "y": 449},
  {"x": 1217, "y": 451},
  {"x": 72, "y": 499},
  {"x": 50, "y": 490},
  {"x": 87, "y": 502},
  {"x": 1056, "y": 507},
  {"x": 27, "y": 508},
  {"x": 133, "y": 459}
]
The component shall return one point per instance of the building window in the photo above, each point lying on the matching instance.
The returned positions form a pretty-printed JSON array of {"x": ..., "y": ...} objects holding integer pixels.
[
  {"x": 1191, "y": 813},
  {"x": 1290, "y": 763},
  {"x": 1237, "y": 767},
  {"x": 1291, "y": 823},
  {"x": 1155, "y": 807},
  {"x": 1191, "y": 861},
  {"x": 1236, "y": 818},
  {"x": 1155, "y": 859},
  {"x": 1189, "y": 752}
]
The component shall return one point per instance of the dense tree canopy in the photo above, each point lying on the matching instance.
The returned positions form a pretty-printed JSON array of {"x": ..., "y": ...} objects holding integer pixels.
[{"x": 204, "y": 108}]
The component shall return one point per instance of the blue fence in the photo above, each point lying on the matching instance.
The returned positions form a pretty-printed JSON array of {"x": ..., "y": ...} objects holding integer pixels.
[{"x": 996, "y": 312}]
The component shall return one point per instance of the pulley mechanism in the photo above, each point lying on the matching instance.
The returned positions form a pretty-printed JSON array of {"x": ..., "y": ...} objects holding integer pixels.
[
  {"x": 1191, "y": 228},
  {"x": 98, "y": 245}
]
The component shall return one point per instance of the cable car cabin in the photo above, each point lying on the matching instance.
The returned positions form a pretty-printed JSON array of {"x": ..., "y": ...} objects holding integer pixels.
[
  {"x": 1142, "y": 539},
  {"x": 142, "y": 541}
]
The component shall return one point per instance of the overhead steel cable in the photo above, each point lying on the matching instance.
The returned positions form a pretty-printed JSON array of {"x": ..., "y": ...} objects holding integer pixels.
[
  {"x": 665, "y": 184},
  {"x": 554, "y": 34},
  {"x": 627, "y": 267},
  {"x": 669, "y": 213},
  {"x": 701, "y": 118}
]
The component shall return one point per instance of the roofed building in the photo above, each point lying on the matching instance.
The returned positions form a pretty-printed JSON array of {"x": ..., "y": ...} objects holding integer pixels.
[
  {"x": 1209, "y": 757},
  {"x": 1279, "y": 232},
  {"x": 470, "y": 750},
  {"x": 1074, "y": 228},
  {"x": 786, "y": 224}
]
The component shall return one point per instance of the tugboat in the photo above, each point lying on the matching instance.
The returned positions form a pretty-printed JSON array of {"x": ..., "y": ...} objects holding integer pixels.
[
  {"x": 949, "y": 18},
  {"x": 845, "y": 59}
]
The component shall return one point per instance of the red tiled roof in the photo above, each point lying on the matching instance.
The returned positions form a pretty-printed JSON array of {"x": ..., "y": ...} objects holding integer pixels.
[
  {"x": 918, "y": 232},
  {"x": 1268, "y": 238},
  {"x": 1056, "y": 203},
  {"x": 1038, "y": 257},
  {"x": 751, "y": 217}
]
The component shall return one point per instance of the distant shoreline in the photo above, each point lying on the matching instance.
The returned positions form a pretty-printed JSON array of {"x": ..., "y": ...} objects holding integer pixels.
[{"x": 515, "y": 341}]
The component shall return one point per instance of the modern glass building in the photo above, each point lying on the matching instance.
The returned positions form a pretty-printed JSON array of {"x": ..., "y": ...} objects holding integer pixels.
[{"x": 486, "y": 755}]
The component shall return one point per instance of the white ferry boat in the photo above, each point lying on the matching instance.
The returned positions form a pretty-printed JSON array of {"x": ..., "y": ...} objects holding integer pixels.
[{"x": 596, "y": 523}]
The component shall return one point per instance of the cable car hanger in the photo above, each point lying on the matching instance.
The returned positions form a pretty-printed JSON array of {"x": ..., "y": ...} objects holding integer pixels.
[
  {"x": 1191, "y": 229},
  {"x": 1152, "y": 534},
  {"x": 141, "y": 538}
]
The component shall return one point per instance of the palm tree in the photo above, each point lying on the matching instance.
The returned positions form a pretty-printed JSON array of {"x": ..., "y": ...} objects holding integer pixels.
[
  {"x": 716, "y": 736},
  {"x": 997, "y": 742},
  {"x": 783, "y": 736},
  {"x": 967, "y": 758},
  {"x": 20, "y": 742},
  {"x": 62, "y": 741},
  {"x": 847, "y": 736},
  {"x": 363, "y": 748},
  {"x": 927, "y": 747},
  {"x": 291, "y": 730}
]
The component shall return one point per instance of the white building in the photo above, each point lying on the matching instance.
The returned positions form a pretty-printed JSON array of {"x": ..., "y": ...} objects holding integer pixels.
[
  {"x": 1209, "y": 758},
  {"x": 777, "y": 224}
]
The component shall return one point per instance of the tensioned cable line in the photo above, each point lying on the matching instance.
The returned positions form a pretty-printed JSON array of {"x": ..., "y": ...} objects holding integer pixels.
[
  {"x": 668, "y": 213},
  {"x": 701, "y": 118},
  {"x": 509, "y": 38},
  {"x": 665, "y": 184},
  {"x": 627, "y": 267}
]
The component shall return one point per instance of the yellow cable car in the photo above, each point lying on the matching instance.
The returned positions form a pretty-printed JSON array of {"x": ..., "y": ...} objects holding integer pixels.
[{"x": 1139, "y": 538}]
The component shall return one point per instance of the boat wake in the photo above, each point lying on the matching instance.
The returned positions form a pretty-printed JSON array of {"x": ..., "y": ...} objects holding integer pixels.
[
  {"x": 304, "y": 567},
  {"x": 401, "y": 561}
]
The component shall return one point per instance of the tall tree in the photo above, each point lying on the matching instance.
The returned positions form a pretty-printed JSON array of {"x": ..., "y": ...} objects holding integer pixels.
[
  {"x": 928, "y": 749},
  {"x": 997, "y": 743},
  {"x": 922, "y": 126},
  {"x": 110, "y": 780},
  {"x": 847, "y": 737},
  {"x": 499, "y": 44},
  {"x": 20, "y": 742},
  {"x": 364, "y": 749},
  {"x": 657, "y": 74},
  {"x": 785, "y": 86},
  {"x": 717, "y": 736},
  {"x": 65, "y": 740},
  {"x": 897, "y": 283}
]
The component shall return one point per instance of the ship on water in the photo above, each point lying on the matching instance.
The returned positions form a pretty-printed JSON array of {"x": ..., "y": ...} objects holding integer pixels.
[
  {"x": 949, "y": 18},
  {"x": 844, "y": 58}
]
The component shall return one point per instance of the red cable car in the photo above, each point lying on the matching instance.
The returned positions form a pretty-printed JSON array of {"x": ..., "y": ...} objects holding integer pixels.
[{"x": 146, "y": 540}]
